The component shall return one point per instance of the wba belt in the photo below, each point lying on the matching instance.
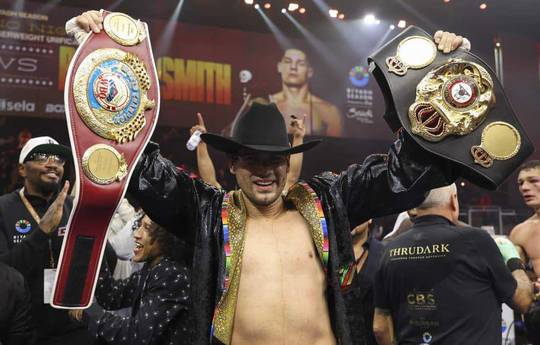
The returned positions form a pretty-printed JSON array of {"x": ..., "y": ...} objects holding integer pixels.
[
  {"x": 453, "y": 105},
  {"x": 112, "y": 106}
]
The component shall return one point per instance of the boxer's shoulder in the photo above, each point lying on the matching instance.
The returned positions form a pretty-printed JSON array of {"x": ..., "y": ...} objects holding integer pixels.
[{"x": 525, "y": 228}]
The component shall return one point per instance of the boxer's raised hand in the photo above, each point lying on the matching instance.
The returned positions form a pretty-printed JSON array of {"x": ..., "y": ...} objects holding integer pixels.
[
  {"x": 449, "y": 41},
  {"x": 90, "y": 21}
]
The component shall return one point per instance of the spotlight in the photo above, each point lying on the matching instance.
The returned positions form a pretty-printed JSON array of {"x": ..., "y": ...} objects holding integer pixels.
[
  {"x": 446, "y": 1},
  {"x": 392, "y": 26},
  {"x": 257, "y": 6},
  {"x": 283, "y": 11},
  {"x": 293, "y": 6},
  {"x": 498, "y": 44},
  {"x": 483, "y": 6},
  {"x": 462, "y": 184},
  {"x": 401, "y": 24},
  {"x": 302, "y": 10},
  {"x": 267, "y": 5},
  {"x": 341, "y": 16},
  {"x": 333, "y": 13},
  {"x": 370, "y": 19},
  {"x": 248, "y": 2}
]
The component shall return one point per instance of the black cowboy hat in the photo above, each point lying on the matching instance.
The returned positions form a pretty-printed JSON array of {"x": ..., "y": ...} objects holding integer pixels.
[{"x": 260, "y": 128}]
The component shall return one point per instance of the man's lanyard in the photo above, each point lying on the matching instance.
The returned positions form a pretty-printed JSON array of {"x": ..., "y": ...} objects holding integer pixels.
[{"x": 37, "y": 218}]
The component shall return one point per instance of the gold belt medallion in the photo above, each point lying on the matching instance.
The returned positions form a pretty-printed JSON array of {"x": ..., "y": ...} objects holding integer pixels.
[
  {"x": 413, "y": 52},
  {"x": 110, "y": 90},
  {"x": 103, "y": 164},
  {"x": 500, "y": 141},
  {"x": 123, "y": 29},
  {"x": 453, "y": 99}
]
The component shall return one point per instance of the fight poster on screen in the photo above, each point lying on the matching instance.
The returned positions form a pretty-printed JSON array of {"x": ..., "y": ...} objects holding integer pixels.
[{"x": 204, "y": 69}]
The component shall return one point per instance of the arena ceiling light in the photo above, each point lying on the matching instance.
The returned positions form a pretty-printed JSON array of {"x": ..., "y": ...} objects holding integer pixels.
[
  {"x": 315, "y": 42},
  {"x": 392, "y": 26},
  {"x": 167, "y": 36},
  {"x": 333, "y": 13},
  {"x": 281, "y": 38},
  {"x": 248, "y": 2},
  {"x": 370, "y": 19},
  {"x": 257, "y": 6},
  {"x": 483, "y": 6},
  {"x": 293, "y": 6},
  {"x": 302, "y": 10},
  {"x": 401, "y": 24},
  {"x": 267, "y": 5},
  {"x": 341, "y": 16}
]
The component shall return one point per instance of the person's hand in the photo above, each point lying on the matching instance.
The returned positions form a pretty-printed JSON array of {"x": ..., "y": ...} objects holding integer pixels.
[
  {"x": 90, "y": 21},
  {"x": 298, "y": 130},
  {"x": 199, "y": 126},
  {"x": 76, "y": 314},
  {"x": 449, "y": 41},
  {"x": 49, "y": 222},
  {"x": 507, "y": 249}
]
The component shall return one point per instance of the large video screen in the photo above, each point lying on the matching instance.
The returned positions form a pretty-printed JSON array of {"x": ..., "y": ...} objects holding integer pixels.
[{"x": 206, "y": 69}]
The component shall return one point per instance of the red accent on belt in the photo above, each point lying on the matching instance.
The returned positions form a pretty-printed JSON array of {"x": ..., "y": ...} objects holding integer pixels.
[{"x": 96, "y": 203}]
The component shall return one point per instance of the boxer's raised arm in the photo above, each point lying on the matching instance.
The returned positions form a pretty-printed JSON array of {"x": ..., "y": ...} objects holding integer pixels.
[{"x": 169, "y": 195}]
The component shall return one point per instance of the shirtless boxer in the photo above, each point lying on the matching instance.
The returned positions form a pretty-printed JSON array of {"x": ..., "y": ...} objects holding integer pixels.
[{"x": 526, "y": 236}]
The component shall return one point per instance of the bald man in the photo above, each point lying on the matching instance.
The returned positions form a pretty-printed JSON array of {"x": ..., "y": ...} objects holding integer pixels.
[{"x": 443, "y": 284}]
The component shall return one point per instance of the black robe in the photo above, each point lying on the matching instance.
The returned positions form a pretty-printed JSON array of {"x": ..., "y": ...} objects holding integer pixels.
[{"x": 381, "y": 185}]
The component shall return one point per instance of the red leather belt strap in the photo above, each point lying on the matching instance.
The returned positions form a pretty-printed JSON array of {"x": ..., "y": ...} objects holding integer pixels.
[{"x": 96, "y": 202}]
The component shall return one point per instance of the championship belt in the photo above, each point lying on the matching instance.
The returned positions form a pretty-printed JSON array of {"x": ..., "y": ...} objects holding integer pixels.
[
  {"x": 453, "y": 106},
  {"x": 112, "y": 106}
]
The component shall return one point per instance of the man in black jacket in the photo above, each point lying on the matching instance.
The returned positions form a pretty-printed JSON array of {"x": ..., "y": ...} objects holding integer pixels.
[
  {"x": 16, "y": 326},
  {"x": 443, "y": 284},
  {"x": 30, "y": 243}
]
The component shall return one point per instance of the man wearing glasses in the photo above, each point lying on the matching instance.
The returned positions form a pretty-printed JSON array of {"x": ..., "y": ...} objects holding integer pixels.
[{"x": 30, "y": 241}]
